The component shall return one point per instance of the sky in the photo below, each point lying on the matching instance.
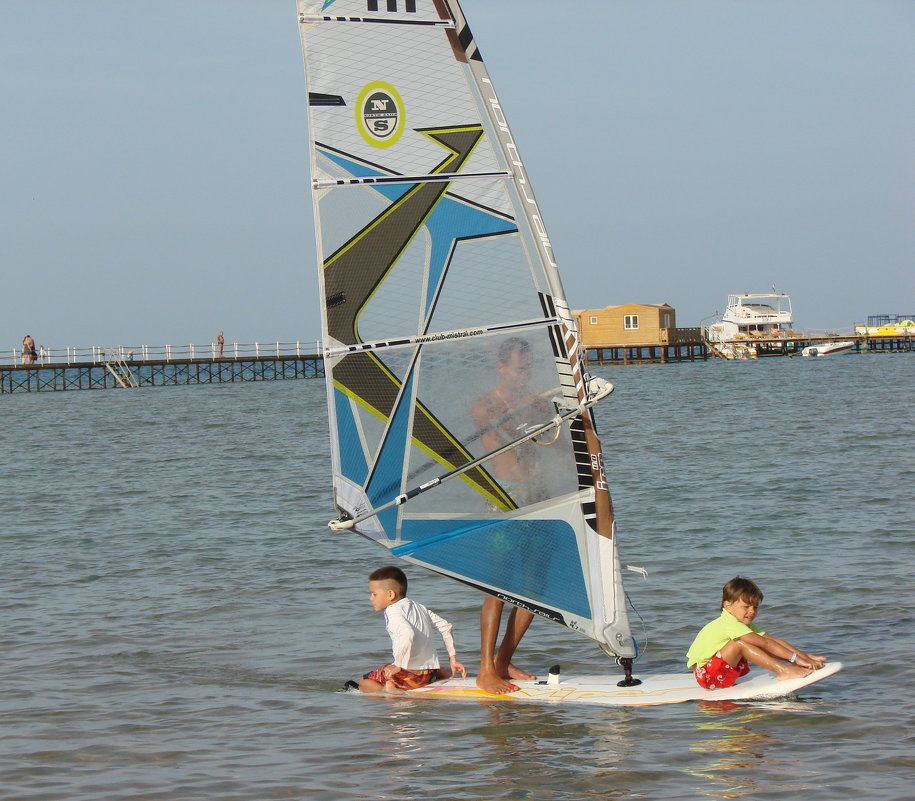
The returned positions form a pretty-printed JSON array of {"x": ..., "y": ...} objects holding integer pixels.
[{"x": 154, "y": 182}]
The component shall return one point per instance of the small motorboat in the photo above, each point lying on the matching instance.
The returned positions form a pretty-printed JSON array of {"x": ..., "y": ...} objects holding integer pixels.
[{"x": 828, "y": 348}]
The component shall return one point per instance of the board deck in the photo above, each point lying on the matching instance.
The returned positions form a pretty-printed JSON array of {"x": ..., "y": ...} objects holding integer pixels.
[{"x": 670, "y": 688}]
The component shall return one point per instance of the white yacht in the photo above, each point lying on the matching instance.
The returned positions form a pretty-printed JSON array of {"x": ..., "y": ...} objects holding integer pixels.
[{"x": 752, "y": 325}]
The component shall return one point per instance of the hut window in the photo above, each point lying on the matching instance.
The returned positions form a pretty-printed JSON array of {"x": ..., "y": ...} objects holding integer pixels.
[
  {"x": 631, "y": 321},
  {"x": 593, "y": 321}
]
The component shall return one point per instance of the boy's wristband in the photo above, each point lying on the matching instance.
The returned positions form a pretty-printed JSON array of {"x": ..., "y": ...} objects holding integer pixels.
[{"x": 793, "y": 657}]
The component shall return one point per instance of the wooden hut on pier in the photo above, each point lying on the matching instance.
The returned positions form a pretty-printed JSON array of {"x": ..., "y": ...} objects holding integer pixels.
[{"x": 634, "y": 332}]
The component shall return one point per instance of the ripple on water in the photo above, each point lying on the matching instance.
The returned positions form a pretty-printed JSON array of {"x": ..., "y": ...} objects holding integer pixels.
[{"x": 178, "y": 621}]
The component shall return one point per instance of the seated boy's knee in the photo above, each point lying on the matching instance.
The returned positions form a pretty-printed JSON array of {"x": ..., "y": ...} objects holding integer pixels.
[{"x": 732, "y": 652}]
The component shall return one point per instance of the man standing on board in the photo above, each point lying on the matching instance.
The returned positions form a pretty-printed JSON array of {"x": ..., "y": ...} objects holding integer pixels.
[{"x": 503, "y": 414}]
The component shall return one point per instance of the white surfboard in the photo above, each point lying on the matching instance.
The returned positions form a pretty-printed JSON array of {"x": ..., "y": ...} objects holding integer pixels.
[{"x": 670, "y": 688}]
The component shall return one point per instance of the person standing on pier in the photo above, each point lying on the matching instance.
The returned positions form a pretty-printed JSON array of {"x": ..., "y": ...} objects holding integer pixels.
[
  {"x": 221, "y": 341},
  {"x": 28, "y": 350}
]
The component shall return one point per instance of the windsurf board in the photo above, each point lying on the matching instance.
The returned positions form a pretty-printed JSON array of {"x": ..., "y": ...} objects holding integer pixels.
[{"x": 670, "y": 688}]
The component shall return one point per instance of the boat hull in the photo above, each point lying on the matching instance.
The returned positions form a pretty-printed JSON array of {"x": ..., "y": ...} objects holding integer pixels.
[{"x": 828, "y": 348}]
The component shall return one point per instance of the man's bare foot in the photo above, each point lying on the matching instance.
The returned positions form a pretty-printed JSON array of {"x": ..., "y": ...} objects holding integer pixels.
[
  {"x": 792, "y": 672},
  {"x": 520, "y": 675},
  {"x": 491, "y": 682}
]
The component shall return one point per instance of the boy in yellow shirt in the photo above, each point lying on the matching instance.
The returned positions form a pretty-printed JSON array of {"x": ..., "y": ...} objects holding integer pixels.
[{"x": 722, "y": 649}]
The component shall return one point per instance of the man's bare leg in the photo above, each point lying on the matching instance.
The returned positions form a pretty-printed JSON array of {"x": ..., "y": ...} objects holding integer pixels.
[
  {"x": 518, "y": 622},
  {"x": 489, "y": 678},
  {"x": 495, "y": 668}
]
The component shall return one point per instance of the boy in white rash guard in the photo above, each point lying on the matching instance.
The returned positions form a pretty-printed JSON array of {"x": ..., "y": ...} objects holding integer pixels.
[{"x": 410, "y": 625}]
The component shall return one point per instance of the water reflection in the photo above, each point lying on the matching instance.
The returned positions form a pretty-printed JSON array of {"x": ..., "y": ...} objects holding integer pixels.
[
  {"x": 737, "y": 745},
  {"x": 506, "y": 750},
  {"x": 605, "y": 735},
  {"x": 544, "y": 750},
  {"x": 397, "y": 733}
]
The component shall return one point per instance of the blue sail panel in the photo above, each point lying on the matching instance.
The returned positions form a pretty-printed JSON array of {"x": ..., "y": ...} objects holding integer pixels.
[
  {"x": 535, "y": 559},
  {"x": 352, "y": 457}
]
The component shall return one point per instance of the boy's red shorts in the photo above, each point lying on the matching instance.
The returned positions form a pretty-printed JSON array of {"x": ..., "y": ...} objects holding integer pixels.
[
  {"x": 717, "y": 673},
  {"x": 404, "y": 679}
]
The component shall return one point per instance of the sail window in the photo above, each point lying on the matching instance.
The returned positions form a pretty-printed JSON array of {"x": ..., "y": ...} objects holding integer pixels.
[{"x": 631, "y": 321}]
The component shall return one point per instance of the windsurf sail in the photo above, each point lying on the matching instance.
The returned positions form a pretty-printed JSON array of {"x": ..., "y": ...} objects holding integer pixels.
[{"x": 460, "y": 416}]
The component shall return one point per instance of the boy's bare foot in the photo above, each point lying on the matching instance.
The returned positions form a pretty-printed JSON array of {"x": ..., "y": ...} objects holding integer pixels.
[
  {"x": 520, "y": 675},
  {"x": 491, "y": 682},
  {"x": 792, "y": 672}
]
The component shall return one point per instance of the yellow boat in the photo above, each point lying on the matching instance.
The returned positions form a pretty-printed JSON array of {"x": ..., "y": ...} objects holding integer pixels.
[{"x": 900, "y": 327}]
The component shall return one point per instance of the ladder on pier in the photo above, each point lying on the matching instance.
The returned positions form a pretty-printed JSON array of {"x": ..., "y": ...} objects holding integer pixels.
[
  {"x": 120, "y": 369},
  {"x": 713, "y": 350}
]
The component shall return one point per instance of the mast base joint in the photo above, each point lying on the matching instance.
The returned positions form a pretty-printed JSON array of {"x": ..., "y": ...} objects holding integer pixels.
[{"x": 625, "y": 663}]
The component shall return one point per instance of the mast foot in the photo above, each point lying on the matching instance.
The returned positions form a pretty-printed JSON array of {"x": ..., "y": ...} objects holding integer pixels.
[{"x": 626, "y": 664}]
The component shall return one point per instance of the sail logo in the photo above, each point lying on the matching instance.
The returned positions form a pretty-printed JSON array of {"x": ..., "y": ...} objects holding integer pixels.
[
  {"x": 597, "y": 467},
  {"x": 380, "y": 114}
]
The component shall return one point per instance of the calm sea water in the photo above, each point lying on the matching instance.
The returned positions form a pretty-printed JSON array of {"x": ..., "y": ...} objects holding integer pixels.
[{"x": 177, "y": 620}]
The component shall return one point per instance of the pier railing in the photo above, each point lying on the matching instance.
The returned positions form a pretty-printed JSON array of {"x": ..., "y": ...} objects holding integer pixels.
[{"x": 100, "y": 354}]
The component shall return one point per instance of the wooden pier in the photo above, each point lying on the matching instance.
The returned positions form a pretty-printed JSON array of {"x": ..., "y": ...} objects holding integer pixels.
[
  {"x": 699, "y": 349},
  {"x": 646, "y": 354},
  {"x": 113, "y": 368},
  {"x": 893, "y": 343}
]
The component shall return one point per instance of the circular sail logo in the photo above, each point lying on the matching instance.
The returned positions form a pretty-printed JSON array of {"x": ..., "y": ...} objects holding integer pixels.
[{"x": 380, "y": 114}]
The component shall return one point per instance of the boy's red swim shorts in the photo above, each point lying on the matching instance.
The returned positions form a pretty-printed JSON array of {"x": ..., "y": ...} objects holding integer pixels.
[
  {"x": 405, "y": 679},
  {"x": 717, "y": 673}
]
